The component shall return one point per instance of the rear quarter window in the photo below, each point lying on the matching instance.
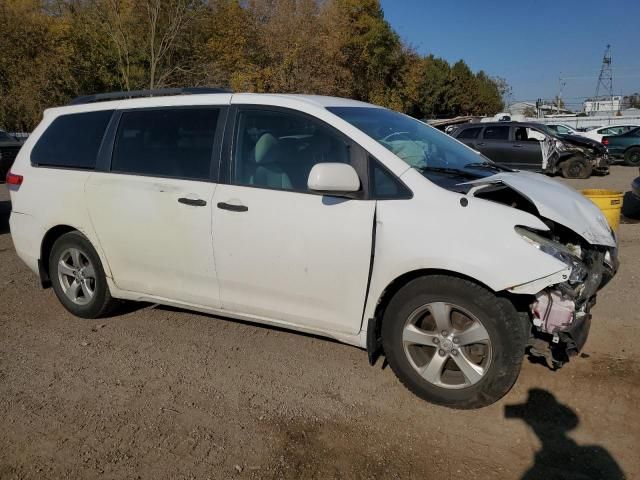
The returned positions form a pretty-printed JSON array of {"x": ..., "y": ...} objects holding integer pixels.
[{"x": 72, "y": 141}]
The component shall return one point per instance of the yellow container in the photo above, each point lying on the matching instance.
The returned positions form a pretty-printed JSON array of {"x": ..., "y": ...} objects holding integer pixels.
[{"x": 609, "y": 201}]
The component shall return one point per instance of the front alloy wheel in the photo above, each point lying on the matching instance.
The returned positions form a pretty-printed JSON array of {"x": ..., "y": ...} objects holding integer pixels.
[
  {"x": 453, "y": 342},
  {"x": 447, "y": 345}
]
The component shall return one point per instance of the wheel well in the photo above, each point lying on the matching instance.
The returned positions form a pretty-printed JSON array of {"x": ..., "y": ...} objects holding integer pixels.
[
  {"x": 520, "y": 302},
  {"x": 45, "y": 250}
]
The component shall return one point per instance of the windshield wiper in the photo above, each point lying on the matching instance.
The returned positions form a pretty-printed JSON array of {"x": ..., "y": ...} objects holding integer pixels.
[
  {"x": 450, "y": 171},
  {"x": 487, "y": 165}
]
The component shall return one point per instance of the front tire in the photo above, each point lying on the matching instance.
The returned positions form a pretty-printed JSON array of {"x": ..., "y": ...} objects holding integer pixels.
[
  {"x": 78, "y": 278},
  {"x": 453, "y": 342},
  {"x": 576, "y": 167},
  {"x": 632, "y": 157}
]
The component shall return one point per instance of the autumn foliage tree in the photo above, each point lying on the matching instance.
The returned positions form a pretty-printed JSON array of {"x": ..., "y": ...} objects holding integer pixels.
[{"x": 53, "y": 50}]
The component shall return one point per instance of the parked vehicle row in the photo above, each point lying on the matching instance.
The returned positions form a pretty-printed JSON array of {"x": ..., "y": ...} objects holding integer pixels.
[
  {"x": 534, "y": 146},
  {"x": 318, "y": 214},
  {"x": 595, "y": 133}
]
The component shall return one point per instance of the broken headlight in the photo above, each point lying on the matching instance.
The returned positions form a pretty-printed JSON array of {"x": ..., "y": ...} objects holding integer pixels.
[
  {"x": 561, "y": 146},
  {"x": 556, "y": 250}
]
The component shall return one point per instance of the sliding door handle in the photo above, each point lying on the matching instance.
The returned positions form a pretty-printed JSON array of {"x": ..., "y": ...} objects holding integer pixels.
[
  {"x": 194, "y": 202},
  {"x": 232, "y": 208}
]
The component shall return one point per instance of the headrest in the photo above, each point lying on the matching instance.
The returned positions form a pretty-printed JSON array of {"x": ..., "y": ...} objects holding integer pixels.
[{"x": 265, "y": 147}]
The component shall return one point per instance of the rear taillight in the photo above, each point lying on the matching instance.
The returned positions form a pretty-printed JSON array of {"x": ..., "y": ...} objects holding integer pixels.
[
  {"x": 13, "y": 179},
  {"x": 605, "y": 141}
]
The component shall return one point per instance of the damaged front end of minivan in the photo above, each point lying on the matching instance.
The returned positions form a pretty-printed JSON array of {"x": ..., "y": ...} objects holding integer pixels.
[
  {"x": 561, "y": 312},
  {"x": 578, "y": 236}
]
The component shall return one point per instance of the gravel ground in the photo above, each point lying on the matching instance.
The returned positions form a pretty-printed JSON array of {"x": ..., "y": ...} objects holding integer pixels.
[{"x": 158, "y": 392}]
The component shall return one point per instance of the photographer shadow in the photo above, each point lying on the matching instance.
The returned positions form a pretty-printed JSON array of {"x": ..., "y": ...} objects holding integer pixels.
[{"x": 560, "y": 457}]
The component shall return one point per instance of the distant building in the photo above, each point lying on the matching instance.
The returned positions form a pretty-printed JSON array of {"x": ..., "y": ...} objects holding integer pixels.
[
  {"x": 603, "y": 105},
  {"x": 520, "y": 108}
]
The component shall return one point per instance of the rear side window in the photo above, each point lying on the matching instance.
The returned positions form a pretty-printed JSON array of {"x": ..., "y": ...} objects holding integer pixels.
[
  {"x": 470, "y": 133},
  {"x": 176, "y": 143},
  {"x": 496, "y": 133},
  {"x": 72, "y": 141}
]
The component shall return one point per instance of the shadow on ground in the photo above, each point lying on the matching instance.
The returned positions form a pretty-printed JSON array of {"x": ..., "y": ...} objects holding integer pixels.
[{"x": 560, "y": 457}]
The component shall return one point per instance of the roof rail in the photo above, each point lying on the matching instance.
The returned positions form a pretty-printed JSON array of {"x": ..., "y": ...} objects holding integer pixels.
[{"x": 162, "y": 92}]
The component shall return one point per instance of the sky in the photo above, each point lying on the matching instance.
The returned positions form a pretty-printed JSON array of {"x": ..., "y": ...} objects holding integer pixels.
[{"x": 530, "y": 43}]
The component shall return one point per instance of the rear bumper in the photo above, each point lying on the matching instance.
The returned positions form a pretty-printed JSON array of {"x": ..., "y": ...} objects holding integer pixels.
[{"x": 26, "y": 235}]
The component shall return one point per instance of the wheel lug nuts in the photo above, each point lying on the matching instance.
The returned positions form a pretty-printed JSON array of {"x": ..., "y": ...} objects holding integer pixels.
[
  {"x": 456, "y": 339},
  {"x": 445, "y": 333},
  {"x": 454, "y": 352},
  {"x": 441, "y": 352},
  {"x": 436, "y": 340}
]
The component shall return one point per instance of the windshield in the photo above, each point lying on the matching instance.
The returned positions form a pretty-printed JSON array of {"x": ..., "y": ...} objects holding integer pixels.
[{"x": 417, "y": 144}]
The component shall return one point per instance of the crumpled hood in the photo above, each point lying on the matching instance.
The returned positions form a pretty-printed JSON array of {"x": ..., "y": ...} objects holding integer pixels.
[
  {"x": 585, "y": 142},
  {"x": 558, "y": 203}
]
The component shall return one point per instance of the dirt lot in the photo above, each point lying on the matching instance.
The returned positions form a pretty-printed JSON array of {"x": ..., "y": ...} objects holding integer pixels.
[{"x": 162, "y": 393}]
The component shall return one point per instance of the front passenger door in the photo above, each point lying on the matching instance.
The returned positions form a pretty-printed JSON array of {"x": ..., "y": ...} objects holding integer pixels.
[{"x": 283, "y": 253}]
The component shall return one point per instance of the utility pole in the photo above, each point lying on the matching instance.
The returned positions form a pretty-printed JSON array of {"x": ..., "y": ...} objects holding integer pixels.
[
  {"x": 605, "y": 79},
  {"x": 561, "y": 84}
]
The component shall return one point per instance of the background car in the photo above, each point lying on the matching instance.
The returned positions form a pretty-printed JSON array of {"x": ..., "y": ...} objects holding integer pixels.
[
  {"x": 625, "y": 146},
  {"x": 562, "y": 129},
  {"x": 598, "y": 133},
  {"x": 533, "y": 146},
  {"x": 9, "y": 147}
]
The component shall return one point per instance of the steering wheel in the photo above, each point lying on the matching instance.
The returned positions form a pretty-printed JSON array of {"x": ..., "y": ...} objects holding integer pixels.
[{"x": 394, "y": 134}]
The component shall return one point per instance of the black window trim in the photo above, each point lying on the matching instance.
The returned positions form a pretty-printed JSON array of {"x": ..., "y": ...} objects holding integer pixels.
[
  {"x": 105, "y": 155},
  {"x": 359, "y": 157},
  {"x": 510, "y": 133},
  {"x": 66, "y": 167}
]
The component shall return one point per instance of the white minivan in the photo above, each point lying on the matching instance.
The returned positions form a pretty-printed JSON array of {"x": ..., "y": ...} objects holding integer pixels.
[{"x": 319, "y": 214}]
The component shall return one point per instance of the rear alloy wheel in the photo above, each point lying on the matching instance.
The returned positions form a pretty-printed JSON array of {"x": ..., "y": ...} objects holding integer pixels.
[
  {"x": 632, "y": 157},
  {"x": 453, "y": 342},
  {"x": 576, "y": 167},
  {"x": 78, "y": 278}
]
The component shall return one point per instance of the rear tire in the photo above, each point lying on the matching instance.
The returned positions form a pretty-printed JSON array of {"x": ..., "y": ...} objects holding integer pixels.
[
  {"x": 476, "y": 363},
  {"x": 576, "y": 167},
  {"x": 632, "y": 157},
  {"x": 78, "y": 278}
]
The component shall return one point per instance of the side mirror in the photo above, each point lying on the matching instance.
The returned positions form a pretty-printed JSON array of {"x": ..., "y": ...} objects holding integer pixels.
[{"x": 333, "y": 179}]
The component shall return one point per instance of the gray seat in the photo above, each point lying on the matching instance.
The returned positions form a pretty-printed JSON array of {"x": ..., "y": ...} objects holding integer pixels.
[{"x": 269, "y": 157}]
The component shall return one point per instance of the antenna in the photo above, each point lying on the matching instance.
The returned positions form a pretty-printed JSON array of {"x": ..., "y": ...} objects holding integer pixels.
[{"x": 605, "y": 79}]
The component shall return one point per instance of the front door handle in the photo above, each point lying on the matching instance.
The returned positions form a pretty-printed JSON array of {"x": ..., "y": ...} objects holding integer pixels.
[
  {"x": 481, "y": 144},
  {"x": 517, "y": 145},
  {"x": 233, "y": 208},
  {"x": 194, "y": 202}
]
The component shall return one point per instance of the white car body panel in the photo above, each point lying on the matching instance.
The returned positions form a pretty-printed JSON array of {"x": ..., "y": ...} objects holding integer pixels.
[
  {"x": 296, "y": 257},
  {"x": 155, "y": 245},
  {"x": 296, "y": 260},
  {"x": 559, "y": 203},
  {"x": 598, "y": 133},
  {"x": 418, "y": 234}
]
